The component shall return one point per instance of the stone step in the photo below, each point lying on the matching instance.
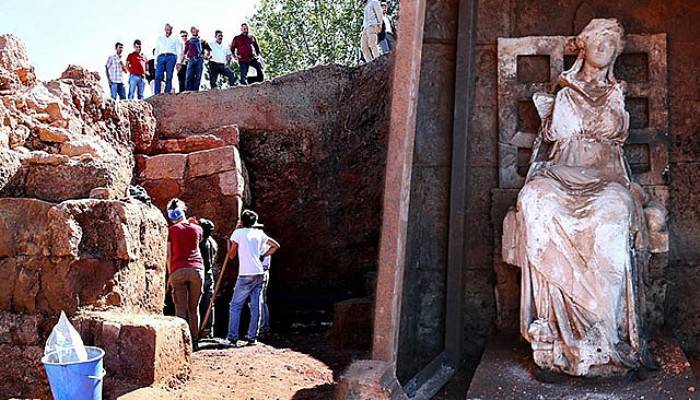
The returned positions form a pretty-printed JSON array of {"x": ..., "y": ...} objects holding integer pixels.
[{"x": 507, "y": 372}]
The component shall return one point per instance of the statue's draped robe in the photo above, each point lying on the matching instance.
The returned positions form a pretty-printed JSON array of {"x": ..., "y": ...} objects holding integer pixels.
[{"x": 577, "y": 223}]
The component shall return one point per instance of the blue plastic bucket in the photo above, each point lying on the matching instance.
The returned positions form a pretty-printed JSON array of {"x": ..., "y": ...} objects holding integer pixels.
[{"x": 78, "y": 380}]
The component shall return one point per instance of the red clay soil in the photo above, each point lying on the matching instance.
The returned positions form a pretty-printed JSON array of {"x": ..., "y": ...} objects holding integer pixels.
[{"x": 259, "y": 372}]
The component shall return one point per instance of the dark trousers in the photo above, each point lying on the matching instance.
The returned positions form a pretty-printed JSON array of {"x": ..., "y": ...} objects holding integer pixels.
[
  {"x": 204, "y": 303},
  {"x": 245, "y": 66},
  {"x": 216, "y": 69},
  {"x": 181, "y": 75},
  {"x": 194, "y": 74}
]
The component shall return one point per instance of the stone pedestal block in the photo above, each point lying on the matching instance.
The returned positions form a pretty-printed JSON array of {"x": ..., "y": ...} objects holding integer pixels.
[
  {"x": 141, "y": 349},
  {"x": 352, "y": 324}
]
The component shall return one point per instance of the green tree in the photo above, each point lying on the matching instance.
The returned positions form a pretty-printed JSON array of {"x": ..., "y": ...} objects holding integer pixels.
[{"x": 297, "y": 34}]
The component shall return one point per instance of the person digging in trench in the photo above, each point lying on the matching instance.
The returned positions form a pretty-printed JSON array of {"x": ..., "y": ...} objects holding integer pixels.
[
  {"x": 185, "y": 265},
  {"x": 248, "y": 243}
]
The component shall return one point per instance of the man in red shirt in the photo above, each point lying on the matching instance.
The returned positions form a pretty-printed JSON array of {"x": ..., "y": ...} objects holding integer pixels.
[
  {"x": 136, "y": 65},
  {"x": 245, "y": 49},
  {"x": 185, "y": 266}
]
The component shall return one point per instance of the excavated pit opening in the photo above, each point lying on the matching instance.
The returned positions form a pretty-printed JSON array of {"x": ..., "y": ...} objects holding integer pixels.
[{"x": 311, "y": 159}]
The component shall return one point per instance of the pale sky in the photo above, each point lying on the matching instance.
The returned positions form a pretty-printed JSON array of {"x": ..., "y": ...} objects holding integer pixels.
[{"x": 83, "y": 32}]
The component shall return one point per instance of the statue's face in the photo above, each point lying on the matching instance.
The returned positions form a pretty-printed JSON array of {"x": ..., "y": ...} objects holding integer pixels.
[{"x": 601, "y": 50}]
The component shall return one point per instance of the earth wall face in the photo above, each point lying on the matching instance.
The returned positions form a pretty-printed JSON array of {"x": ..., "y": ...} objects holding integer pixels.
[{"x": 313, "y": 147}]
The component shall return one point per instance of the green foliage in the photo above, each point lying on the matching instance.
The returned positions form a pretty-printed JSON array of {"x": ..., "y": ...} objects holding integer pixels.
[{"x": 297, "y": 34}]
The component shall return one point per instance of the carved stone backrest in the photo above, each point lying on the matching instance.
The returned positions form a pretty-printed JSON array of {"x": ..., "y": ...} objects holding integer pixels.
[{"x": 533, "y": 64}]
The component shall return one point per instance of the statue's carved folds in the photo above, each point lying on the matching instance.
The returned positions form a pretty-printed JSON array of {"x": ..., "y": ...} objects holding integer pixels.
[{"x": 579, "y": 227}]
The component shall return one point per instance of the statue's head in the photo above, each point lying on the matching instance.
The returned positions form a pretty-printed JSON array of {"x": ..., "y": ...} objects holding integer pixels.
[{"x": 600, "y": 43}]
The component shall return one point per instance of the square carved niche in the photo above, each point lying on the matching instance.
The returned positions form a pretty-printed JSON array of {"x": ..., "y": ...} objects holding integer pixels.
[
  {"x": 533, "y": 64},
  {"x": 533, "y": 69},
  {"x": 638, "y": 108},
  {"x": 632, "y": 67}
]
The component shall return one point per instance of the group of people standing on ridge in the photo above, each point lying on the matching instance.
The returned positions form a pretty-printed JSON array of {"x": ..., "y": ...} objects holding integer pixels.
[
  {"x": 186, "y": 57},
  {"x": 191, "y": 257},
  {"x": 378, "y": 32}
]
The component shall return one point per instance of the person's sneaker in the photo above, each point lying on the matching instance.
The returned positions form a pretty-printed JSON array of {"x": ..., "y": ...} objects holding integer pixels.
[
  {"x": 230, "y": 343},
  {"x": 251, "y": 342}
]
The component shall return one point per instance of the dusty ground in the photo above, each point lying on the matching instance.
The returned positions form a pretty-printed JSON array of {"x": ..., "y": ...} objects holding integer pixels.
[{"x": 298, "y": 368}]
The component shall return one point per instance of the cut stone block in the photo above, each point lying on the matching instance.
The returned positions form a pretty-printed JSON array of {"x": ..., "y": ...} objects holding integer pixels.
[
  {"x": 141, "y": 349},
  {"x": 189, "y": 144},
  {"x": 352, "y": 324},
  {"x": 210, "y": 162},
  {"x": 90, "y": 252},
  {"x": 164, "y": 166}
]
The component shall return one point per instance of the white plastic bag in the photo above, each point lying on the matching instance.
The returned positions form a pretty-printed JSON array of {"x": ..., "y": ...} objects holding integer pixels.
[{"x": 65, "y": 344}]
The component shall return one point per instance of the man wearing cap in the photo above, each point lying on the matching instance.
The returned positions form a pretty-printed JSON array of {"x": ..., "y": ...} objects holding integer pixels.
[
  {"x": 248, "y": 243},
  {"x": 185, "y": 266}
]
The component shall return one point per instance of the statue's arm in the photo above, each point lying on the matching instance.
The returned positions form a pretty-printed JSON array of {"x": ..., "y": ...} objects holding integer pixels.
[{"x": 544, "y": 103}]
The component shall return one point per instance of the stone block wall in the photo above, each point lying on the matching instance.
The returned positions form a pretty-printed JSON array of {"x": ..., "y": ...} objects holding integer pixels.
[
  {"x": 71, "y": 239},
  {"x": 76, "y": 256},
  {"x": 210, "y": 182}
]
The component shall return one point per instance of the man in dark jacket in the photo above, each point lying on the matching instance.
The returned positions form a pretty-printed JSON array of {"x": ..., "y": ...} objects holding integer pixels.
[{"x": 208, "y": 248}]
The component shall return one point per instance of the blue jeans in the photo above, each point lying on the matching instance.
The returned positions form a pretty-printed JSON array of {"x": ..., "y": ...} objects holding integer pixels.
[
  {"x": 245, "y": 286},
  {"x": 117, "y": 89},
  {"x": 165, "y": 65},
  {"x": 136, "y": 85},
  {"x": 245, "y": 66},
  {"x": 194, "y": 74}
]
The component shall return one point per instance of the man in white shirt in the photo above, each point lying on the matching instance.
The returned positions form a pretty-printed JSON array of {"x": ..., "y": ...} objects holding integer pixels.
[
  {"x": 169, "y": 52},
  {"x": 219, "y": 61},
  {"x": 248, "y": 243},
  {"x": 371, "y": 26}
]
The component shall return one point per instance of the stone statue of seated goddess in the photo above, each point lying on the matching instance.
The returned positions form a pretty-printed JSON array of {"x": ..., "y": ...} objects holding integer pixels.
[{"x": 580, "y": 221}]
